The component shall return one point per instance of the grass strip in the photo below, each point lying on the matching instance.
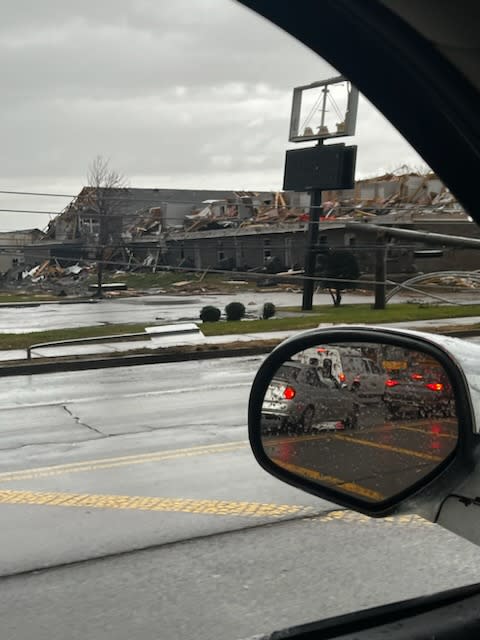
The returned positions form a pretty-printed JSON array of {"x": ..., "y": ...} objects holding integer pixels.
[
  {"x": 348, "y": 314},
  {"x": 24, "y": 340}
]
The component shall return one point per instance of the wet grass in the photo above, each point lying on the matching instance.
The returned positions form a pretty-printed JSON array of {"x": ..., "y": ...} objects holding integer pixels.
[
  {"x": 24, "y": 340},
  {"x": 348, "y": 314}
]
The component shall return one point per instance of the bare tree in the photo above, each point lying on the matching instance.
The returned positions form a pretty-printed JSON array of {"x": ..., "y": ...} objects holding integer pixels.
[{"x": 104, "y": 183}]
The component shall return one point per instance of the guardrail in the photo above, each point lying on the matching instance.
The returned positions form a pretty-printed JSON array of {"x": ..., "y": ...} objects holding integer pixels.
[{"x": 160, "y": 330}]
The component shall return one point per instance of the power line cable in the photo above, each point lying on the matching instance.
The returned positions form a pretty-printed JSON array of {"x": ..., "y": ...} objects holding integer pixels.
[{"x": 34, "y": 193}]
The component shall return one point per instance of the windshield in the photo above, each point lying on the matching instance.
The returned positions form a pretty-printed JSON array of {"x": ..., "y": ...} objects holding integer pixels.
[{"x": 150, "y": 258}]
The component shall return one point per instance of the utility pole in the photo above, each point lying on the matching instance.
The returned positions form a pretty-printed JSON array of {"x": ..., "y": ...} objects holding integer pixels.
[
  {"x": 380, "y": 271},
  {"x": 102, "y": 241},
  {"x": 311, "y": 249}
]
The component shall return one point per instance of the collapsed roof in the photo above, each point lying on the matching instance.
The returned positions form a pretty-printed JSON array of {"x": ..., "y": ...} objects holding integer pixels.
[{"x": 135, "y": 212}]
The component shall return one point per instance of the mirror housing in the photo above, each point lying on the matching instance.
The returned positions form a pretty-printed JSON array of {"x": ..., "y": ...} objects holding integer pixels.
[{"x": 423, "y": 494}]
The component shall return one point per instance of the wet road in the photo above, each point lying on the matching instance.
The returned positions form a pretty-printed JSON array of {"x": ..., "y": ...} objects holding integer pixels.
[
  {"x": 374, "y": 463},
  {"x": 162, "y": 448},
  {"x": 157, "y": 309},
  {"x": 144, "y": 309},
  {"x": 100, "y": 464}
]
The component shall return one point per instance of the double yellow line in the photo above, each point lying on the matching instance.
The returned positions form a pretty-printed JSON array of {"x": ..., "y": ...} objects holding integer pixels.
[{"x": 122, "y": 461}]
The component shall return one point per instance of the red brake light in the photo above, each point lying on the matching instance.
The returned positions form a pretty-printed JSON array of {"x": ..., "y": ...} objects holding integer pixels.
[
  {"x": 391, "y": 383},
  {"x": 417, "y": 376},
  {"x": 342, "y": 377},
  {"x": 321, "y": 350},
  {"x": 289, "y": 393},
  {"x": 435, "y": 386}
]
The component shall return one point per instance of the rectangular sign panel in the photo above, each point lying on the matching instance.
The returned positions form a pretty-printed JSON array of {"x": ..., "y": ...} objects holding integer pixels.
[{"x": 321, "y": 167}]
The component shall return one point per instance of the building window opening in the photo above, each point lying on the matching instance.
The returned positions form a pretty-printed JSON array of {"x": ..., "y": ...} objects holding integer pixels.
[{"x": 267, "y": 251}]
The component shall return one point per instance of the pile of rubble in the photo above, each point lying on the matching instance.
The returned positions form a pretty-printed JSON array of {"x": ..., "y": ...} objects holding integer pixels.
[
  {"x": 148, "y": 222},
  {"x": 406, "y": 196},
  {"x": 226, "y": 214},
  {"x": 454, "y": 281},
  {"x": 52, "y": 269},
  {"x": 50, "y": 276}
]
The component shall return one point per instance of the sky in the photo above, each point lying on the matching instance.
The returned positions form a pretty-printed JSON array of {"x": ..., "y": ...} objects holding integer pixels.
[{"x": 184, "y": 94}]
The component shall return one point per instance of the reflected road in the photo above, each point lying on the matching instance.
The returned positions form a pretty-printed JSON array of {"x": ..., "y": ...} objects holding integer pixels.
[{"x": 374, "y": 463}]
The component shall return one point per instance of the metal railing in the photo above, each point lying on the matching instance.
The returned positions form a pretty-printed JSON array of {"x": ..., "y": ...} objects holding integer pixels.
[
  {"x": 425, "y": 277},
  {"x": 146, "y": 334}
]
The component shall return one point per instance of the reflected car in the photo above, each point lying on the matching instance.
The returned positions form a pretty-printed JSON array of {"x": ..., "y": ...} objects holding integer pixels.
[
  {"x": 424, "y": 392},
  {"x": 350, "y": 368},
  {"x": 299, "y": 399}
]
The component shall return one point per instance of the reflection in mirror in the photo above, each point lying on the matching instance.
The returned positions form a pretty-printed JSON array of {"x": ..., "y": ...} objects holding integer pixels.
[{"x": 367, "y": 419}]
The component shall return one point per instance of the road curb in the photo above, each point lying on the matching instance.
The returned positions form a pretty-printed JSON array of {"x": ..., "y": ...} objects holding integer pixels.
[
  {"x": 39, "y": 303},
  {"x": 55, "y": 365},
  {"x": 59, "y": 364}
]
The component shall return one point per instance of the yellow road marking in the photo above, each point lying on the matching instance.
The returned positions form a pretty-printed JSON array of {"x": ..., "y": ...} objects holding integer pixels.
[
  {"x": 142, "y": 503},
  {"x": 110, "y": 463},
  {"x": 378, "y": 429},
  {"x": 429, "y": 433},
  {"x": 388, "y": 447},
  {"x": 351, "y": 487},
  {"x": 202, "y": 507},
  {"x": 360, "y": 518},
  {"x": 340, "y": 436}
]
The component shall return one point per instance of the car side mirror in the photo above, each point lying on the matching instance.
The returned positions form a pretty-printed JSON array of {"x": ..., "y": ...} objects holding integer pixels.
[{"x": 406, "y": 435}]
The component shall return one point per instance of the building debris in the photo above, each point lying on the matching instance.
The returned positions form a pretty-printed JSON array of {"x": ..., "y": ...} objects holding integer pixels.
[{"x": 245, "y": 231}]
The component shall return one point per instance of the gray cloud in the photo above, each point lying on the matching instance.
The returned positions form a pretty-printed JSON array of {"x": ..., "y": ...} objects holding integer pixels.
[{"x": 185, "y": 94}]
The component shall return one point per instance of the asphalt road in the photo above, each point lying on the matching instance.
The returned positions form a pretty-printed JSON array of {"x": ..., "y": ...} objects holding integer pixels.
[
  {"x": 374, "y": 462},
  {"x": 172, "y": 436},
  {"x": 96, "y": 465}
]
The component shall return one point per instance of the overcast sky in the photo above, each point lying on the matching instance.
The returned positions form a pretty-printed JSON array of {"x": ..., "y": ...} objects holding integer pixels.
[{"x": 184, "y": 94}]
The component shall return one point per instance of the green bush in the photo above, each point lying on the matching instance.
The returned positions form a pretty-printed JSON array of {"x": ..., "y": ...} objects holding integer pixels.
[
  {"x": 268, "y": 310},
  {"x": 210, "y": 314},
  {"x": 235, "y": 311}
]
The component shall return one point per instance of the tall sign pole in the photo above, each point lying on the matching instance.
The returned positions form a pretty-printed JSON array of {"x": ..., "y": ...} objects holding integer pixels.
[
  {"x": 321, "y": 110},
  {"x": 311, "y": 253},
  {"x": 380, "y": 271}
]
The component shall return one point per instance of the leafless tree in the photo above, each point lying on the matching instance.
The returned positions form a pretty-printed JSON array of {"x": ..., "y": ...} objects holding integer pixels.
[{"x": 104, "y": 183}]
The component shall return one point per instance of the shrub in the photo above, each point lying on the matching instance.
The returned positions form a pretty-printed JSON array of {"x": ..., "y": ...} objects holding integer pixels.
[
  {"x": 268, "y": 310},
  {"x": 210, "y": 314},
  {"x": 235, "y": 311}
]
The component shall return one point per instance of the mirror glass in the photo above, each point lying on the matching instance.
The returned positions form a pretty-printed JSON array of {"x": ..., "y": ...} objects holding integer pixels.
[{"x": 366, "y": 419}]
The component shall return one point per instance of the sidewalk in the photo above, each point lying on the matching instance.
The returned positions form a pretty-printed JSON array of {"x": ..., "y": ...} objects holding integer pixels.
[{"x": 155, "y": 342}]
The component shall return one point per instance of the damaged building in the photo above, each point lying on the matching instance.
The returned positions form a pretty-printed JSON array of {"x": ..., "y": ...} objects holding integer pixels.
[
  {"x": 127, "y": 215},
  {"x": 146, "y": 229},
  {"x": 13, "y": 245}
]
